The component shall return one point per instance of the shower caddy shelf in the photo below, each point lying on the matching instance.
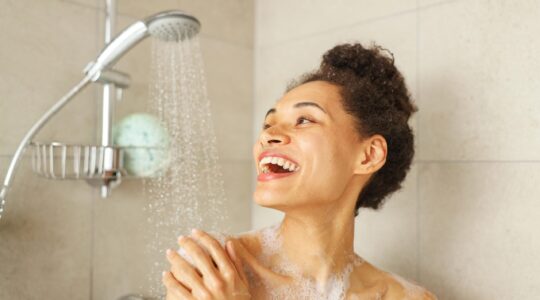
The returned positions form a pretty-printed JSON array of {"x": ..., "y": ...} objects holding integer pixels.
[{"x": 71, "y": 161}]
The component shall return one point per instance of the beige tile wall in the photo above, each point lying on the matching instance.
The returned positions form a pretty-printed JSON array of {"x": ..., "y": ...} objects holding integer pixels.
[
  {"x": 464, "y": 224},
  {"x": 59, "y": 239}
]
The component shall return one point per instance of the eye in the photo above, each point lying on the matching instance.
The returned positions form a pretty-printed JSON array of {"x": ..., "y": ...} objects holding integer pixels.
[
  {"x": 304, "y": 118},
  {"x": 265, "y": 126}
]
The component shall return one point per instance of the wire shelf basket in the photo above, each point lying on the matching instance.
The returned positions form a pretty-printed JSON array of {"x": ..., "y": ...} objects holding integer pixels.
[{"x": 70, "y": 161}]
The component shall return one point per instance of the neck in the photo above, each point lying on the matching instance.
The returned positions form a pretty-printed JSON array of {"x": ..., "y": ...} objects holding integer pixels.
[{"x": 319, "y": 245}]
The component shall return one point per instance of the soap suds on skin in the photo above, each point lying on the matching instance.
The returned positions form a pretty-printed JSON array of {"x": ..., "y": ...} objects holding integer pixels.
[{"x": 302, "y": 287}]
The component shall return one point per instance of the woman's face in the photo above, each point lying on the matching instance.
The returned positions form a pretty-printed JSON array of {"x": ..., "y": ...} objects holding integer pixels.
[{"x": 310, "y": 127}]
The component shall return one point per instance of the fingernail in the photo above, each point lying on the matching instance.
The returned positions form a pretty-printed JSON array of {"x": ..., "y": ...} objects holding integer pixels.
[
  {"x": 163, "y": 273},
  {"x": 169, "y": 252},
  {"x": 181, "y": 238},
  {"x": 195, "y": 231}
]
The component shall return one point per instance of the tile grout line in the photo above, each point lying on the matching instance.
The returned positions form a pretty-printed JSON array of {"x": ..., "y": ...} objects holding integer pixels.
[
  {"x": 435, "y": 161},
  {"x": 254, "y": 56},
  {"x": 418, "y": 273},
  {"x": 420, "y": 161},
  {"x": 96, "y": 122}
]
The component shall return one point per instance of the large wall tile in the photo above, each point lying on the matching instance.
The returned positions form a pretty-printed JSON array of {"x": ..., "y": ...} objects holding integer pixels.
[
  {"x": 280, "y": 21},
  {"x": 480, "y": 81},
  {"x": 42, "y": 58},
  {"x": 121, "y": 264},
  {"x": 45, "y": 237},
  {"x": 229, "y": 74},
  {"x": 478, "y": 224}
]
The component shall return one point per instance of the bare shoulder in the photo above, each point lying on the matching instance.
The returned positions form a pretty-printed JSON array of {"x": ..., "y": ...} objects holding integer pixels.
[
  {"x": 370, "y": 282},
  {"x": 250, "y": 240},
  {"x": 401, "y": 288}
]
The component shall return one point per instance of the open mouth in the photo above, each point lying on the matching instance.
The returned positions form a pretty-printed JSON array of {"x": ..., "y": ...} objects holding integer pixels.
[{"x": 277, "y": 165}]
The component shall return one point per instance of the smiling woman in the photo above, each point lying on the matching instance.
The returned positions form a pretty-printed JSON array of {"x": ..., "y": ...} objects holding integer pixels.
[{"x": 338, "y": 140}]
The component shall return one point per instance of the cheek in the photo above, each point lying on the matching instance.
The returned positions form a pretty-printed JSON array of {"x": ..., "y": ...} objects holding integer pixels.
[
  {"x": 330, "y": 161},
  {"x": 255, "y": 149}
]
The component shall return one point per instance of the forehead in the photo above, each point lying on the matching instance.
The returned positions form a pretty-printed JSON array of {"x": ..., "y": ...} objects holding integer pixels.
[{"x": 321, "y": 92}]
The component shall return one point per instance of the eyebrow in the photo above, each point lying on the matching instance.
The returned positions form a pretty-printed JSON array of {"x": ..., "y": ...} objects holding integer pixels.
[{"x": 299, "y": 104}]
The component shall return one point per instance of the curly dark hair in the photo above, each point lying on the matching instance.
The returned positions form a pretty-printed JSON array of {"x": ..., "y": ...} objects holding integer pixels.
[{"x": 373, "y": 91}]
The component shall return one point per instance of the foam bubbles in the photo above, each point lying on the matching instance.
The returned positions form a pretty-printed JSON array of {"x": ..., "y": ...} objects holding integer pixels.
[{"x": 300, "y": 287}]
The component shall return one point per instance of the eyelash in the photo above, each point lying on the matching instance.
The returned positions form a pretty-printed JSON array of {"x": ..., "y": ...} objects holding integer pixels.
[{"x": 265, "y": 126}]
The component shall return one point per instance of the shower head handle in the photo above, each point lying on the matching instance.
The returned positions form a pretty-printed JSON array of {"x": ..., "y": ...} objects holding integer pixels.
[
  {"x": 128, "y": 38},
  {"x": 171, "y": 25}
]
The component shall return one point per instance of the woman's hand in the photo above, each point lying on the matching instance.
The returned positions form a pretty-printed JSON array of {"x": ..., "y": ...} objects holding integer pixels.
[
  {"x": 262, "y": 272},
  {"x": 215, "y": 276}
]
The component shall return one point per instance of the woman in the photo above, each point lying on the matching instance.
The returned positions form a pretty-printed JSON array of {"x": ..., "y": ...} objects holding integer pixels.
[{"x": 338, "y": 140}]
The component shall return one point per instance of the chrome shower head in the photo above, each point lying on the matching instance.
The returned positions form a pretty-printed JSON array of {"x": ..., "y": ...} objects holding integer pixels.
[{"x": 172, "y": 25}]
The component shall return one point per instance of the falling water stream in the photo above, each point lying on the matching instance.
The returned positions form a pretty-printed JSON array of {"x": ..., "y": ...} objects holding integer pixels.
[{"x": 190, "y": 192}]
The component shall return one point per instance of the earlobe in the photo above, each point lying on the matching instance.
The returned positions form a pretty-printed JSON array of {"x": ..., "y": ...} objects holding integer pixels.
[{"x": 362, "y": 162}]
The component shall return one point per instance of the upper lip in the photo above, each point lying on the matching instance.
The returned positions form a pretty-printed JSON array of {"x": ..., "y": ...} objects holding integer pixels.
[{"x": 276, "y": 154}]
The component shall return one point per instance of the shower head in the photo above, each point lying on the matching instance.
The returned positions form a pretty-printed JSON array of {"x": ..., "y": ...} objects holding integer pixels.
[{"x": 172, "y": 25}]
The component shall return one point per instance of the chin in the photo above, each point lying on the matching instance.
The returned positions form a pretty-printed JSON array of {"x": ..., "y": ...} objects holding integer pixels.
[{"x": 269, "y": 200}]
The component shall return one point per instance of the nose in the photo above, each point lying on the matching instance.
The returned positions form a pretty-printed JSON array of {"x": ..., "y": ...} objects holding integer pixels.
[{"x": 273, "y": 135}]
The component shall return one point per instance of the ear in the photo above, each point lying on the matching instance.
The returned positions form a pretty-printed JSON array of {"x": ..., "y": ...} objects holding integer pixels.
[{"x": 372, "y": 155}]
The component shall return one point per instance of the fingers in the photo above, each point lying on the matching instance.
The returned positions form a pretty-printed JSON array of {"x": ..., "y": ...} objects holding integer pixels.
[
  {"x": 201, "y": 259},
  {"x": 237, "y": 261},
  {"x": 217, "y": 253},
  {"x": 184, "y": 272},
  {"x": 174, "y": 289},
  {"x": 257, "y": 267}
]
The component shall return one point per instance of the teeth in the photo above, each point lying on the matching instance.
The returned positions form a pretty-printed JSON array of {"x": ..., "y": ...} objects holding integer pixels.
[{"x": 287, "y": 165}]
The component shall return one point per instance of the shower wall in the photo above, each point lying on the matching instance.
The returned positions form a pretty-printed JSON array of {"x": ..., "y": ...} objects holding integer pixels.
[
  {"x": 465, "y": 223},
  {"x": 59, "y": 239}
]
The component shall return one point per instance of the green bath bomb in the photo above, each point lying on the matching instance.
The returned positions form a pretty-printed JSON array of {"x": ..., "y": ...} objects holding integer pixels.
[{"x": 142, "y": 130}]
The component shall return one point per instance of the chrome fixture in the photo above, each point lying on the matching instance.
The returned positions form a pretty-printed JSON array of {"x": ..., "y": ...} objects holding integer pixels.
[{"x": 104, "y": 162}]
